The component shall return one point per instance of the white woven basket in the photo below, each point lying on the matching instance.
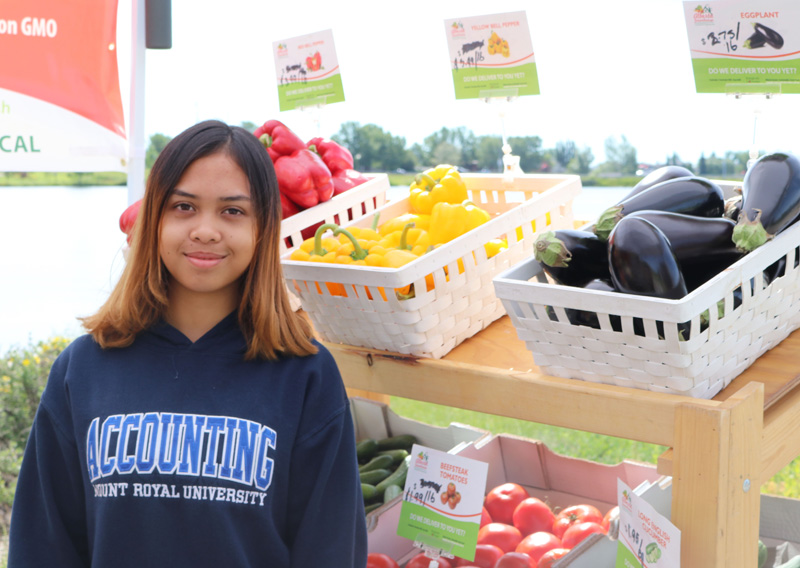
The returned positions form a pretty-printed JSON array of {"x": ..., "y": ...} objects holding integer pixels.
[
  {"x": 343, "y": 208},
  {"x": 699, "y": 366},
  {"x": 461, "y": 303}
]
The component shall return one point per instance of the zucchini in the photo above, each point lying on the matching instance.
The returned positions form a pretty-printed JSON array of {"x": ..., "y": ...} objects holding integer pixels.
[
  {"x": 378, "y": 462},
  {"x": 374, "y": 476},
  {"x": 391, "y": 492},
  {"x": 398, "y": 477},
  {"x": 397, "y": 455},
  {"x": 365, "y": 449},
  {"x": 368, "y": 491},
  {"x": 401, "y": 442}
]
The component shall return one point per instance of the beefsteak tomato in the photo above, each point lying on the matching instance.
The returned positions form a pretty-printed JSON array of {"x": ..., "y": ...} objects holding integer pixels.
[
  {"x": 506, "y": 537},
  {"x": 378, "y": 560},
  {"x": 550, "y": 557},
  {"x": 486, "y": 518},
  {"x": 422, "y": 561},
  {"x": 575, "y": 514},
  {"x": 533, "y": 515},
  {"x": 486, "y": 556},
  {"x": 612, "y": 514},
  {"x": 502, "y": 500},
  {"x": 579, "y": 531},
  {"x": 536, "y": 544},
  {"x": 515, "y": 560}
]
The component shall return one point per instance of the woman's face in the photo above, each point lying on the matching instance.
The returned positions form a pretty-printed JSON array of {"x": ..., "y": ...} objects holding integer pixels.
[{"x": 207, "y": 236}]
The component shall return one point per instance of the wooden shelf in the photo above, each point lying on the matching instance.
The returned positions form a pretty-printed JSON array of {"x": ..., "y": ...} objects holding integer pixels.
[{"x": 721, "y": 450}]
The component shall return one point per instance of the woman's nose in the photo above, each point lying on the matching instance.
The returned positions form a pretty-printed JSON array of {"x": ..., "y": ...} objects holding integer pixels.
[{"x": 205, "y": 231}]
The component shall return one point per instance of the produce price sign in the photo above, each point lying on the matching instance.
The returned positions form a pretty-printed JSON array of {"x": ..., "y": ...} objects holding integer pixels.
[
  {"x": 307, "y": 71},
  {"x": 744, "y": 46},
  {"x": 442, "y": 501},
  {"x": 646, "y": 538},
  {"x": 492, "y": 56}
]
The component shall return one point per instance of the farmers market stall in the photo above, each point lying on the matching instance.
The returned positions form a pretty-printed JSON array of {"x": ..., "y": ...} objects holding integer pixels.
[{"x": 720, "y": 449}]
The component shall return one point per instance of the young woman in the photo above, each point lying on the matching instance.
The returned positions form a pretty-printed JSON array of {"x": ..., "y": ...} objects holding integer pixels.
[{"x": 198, "y": 424}]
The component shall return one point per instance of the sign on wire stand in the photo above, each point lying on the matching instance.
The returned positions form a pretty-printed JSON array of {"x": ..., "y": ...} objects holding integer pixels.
[
  {"x": 307, "y": 71},
  {"x": 646, "y": 537},
  {"x": 744, "y": 47},
  {"x": 442, "y": 502},
  {"x": 492, "y": 56}
]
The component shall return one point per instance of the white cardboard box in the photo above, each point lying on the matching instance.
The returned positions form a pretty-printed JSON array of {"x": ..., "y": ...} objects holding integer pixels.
[{"x": 556, "y": 479}]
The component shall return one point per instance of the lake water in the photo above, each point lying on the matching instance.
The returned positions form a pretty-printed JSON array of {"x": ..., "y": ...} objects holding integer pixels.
[{"x": 62, "y": 254}]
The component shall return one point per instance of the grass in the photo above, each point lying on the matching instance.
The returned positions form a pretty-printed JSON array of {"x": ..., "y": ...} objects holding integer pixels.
[
  {"x": 573, "y": 443},
  {"x": 62, "y": 178}
]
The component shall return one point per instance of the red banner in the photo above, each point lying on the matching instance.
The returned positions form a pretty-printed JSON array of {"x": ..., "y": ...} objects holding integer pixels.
[{"x": 62, "y": 53}]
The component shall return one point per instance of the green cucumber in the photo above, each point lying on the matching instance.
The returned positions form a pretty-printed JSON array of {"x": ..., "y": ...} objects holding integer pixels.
[
  {"x": 365, "y": 449},
  {"x": 401, "y": 442},
  {"x": 391, "y": 492},
  {"x": 397, "y": 455},
  {"x": 368, "y": 491},
  {"x": 398, "y": 477},
  {"x": 374, "y": 476},
  {"x": 378, "y": 462}
]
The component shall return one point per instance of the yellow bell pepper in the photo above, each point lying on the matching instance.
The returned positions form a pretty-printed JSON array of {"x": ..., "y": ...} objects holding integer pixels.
[
  {"x": 315, "y": 249},
  {"x": 495, "y": 247},
  {"x": 449, "y": 221},
  {"x": 548, "y": 220},
  {"x": 440, "y": 184},
  {"x": 420, "y": 221}
]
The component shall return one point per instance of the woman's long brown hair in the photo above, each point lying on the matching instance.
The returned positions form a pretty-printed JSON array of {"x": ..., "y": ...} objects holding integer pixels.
[{"x": 140, "y": 297}]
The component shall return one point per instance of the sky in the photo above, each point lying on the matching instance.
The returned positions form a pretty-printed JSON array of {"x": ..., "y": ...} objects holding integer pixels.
[{"x": 606, "y": 69}]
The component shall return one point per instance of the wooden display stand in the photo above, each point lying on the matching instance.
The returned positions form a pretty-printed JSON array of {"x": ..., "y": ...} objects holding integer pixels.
[{"x": 721, "y": 450}]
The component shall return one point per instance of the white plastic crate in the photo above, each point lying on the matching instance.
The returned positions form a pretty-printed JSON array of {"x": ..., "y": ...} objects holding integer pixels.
[
  {"x": 658, "y": 358},
  {"x": 462, "y": 300},
  {"x": 343, "y": 208}
]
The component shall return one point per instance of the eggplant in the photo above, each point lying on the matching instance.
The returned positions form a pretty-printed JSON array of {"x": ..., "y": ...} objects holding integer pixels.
[
  {"x": 755, "y": 41},
  {"x": 702, "y": 245},
  {"x": 733, "y": 205},
  {"x": 689, "y": 195},
  {"x": 657, "y": 176},
  {"x": 772, "y": 38},
  {"x": 572, "y": 257},
  {"x": 770, "y": 200},
  {"x": 642, "y": 262},
  {"x": 589, "y": 319}
]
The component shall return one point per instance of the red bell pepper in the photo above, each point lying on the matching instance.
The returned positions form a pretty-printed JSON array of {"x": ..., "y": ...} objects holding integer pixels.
[
  {"x": 128, "y": 218},
  {"x": 278, "y": 139},
  {"x": 304, "y": 178},
  {"x": 288, "y": 208},
  {"x": 347, "y": 179},
  {"x": 335, "y": 156}
]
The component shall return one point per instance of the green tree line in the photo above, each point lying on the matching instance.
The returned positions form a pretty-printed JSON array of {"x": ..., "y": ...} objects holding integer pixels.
[{"x": 376, "y": 150}]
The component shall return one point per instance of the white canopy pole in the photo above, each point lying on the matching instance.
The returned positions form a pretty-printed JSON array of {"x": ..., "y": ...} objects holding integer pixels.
[{"x": 136, "y": 142}]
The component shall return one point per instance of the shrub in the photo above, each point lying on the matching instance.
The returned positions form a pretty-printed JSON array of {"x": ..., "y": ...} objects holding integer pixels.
[{"x": 23, "y": 375}]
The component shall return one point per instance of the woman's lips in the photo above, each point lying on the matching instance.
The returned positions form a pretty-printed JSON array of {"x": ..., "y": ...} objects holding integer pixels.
[{"x": 204, "y": 259}]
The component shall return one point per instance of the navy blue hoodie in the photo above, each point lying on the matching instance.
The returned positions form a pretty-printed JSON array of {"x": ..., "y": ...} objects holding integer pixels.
[{"x": 181, "y": 454}]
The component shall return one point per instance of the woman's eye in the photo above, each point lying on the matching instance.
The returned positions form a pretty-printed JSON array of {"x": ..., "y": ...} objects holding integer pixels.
[
  {"x": 183, "y": 207},
  {"x": 234, "y": 211}
]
